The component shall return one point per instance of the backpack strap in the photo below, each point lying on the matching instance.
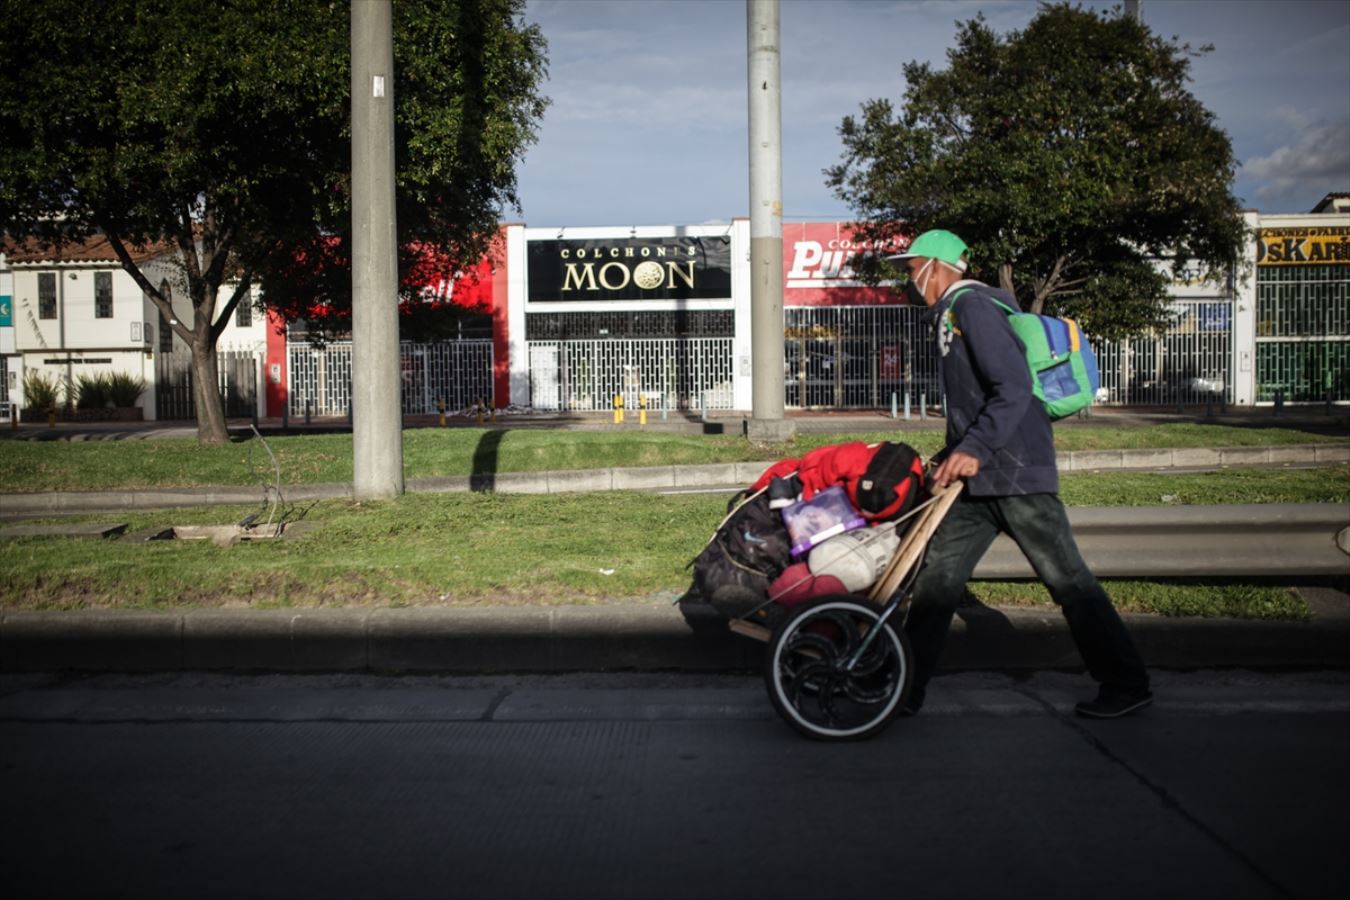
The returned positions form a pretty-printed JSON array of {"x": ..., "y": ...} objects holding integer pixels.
[{"x": 949, "y": 320}]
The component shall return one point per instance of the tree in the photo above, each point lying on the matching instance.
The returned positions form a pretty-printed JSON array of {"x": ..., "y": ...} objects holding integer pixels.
[
  {"x": 1070, "y": 156},
  {"x": 223, "y": 129}
]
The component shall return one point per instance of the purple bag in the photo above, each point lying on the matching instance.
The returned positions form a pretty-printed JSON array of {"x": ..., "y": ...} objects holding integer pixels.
[{"x": 822, "y": 517}]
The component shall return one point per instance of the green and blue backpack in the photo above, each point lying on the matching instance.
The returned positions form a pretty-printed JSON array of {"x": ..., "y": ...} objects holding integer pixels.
[{"x": 1064, "y": 375}]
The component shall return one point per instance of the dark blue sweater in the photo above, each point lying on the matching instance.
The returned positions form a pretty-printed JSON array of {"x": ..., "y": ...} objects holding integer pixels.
[{"x": 991, "y": 412}]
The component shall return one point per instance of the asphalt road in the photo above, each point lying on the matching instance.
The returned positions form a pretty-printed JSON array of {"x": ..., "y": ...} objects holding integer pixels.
[{"x": 592, "y": 786}]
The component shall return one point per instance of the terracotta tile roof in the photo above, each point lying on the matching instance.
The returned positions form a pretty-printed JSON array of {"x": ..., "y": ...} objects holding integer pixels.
[{"x": 95, "y": 248}]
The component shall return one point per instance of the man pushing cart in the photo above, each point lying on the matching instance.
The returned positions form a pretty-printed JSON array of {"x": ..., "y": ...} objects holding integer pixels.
[{"x": 841, "y": 665}]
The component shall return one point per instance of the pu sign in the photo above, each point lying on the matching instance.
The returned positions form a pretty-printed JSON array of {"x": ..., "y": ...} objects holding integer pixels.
[
  {"x": 1328, "y": 245},
  {"x": 676, "y": 268},
  {"x": 818, "y": 266}
]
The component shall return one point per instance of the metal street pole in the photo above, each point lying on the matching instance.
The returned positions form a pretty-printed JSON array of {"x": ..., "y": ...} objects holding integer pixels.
[
  {"x": 766, "y": 225},
  {"x": 377, "y": 417}
]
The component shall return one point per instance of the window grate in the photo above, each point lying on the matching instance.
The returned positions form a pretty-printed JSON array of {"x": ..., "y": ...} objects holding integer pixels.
[
  {"x": 103, "y": 295},
  {"x": 46, "y": 295}
]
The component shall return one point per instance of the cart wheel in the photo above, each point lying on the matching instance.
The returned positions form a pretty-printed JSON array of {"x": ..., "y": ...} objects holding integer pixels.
[{"x": 806, "y": 671}]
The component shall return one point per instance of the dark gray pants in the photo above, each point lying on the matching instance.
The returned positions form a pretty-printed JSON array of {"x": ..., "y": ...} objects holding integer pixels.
[{"x": 1039, "y": 525}]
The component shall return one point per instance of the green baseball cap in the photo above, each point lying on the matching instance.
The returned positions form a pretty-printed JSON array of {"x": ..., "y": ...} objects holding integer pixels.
[{"x": 937, "y": 244}]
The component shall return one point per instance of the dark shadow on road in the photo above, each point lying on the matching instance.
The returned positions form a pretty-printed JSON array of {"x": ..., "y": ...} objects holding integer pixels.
[{"x": 983, "y": 623}]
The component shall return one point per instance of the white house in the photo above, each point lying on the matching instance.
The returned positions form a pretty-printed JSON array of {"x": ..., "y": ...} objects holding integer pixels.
[{"x": 75, "y": 311}]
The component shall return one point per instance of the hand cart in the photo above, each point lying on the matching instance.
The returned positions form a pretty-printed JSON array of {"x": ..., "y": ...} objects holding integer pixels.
[{"x": 839, "y": 667}]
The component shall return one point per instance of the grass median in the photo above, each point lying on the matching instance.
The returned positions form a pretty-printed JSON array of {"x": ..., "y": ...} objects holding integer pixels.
[
  {"x": 30, "y": 466},
  {"x": 515, "y": 549}
]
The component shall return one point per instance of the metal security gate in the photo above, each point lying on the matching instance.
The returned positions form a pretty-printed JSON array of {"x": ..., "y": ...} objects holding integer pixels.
[
  {"x": 670, "y": 373},
  {"x": 1302, "y": 333},
  {"x": 456, "y": 372},
  {"x": 236, "y": 379},
  {"x": 1302, "y": 371},
  {"x": 6, "y": 411},
  {"x": 861, "y": 357},
  {"x": 1190, "y": 363},
  {"x": 857, "y": 357}
]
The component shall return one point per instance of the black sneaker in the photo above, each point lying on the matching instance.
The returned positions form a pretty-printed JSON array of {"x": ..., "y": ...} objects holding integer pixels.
[{"x": 1112, "y": 704}]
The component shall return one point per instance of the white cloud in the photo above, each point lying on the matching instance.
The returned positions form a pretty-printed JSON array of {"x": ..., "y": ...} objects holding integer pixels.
[
  {"x": 1300, "y": 172},
  {"x": 648, "y": 122}
]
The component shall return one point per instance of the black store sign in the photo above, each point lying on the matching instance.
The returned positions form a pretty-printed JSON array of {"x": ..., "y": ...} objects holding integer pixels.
[{"x": 686, "y": 268}]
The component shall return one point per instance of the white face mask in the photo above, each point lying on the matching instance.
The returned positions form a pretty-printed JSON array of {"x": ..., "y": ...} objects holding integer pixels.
[{"x": 916, "y": 289}]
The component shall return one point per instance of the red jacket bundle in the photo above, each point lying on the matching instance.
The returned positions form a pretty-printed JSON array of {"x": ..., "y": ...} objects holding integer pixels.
[{"x": 883, "y": 481}]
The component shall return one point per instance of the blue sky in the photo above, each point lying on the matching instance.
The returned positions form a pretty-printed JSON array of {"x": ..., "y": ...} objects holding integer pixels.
[{"x": 648, "y": 122}]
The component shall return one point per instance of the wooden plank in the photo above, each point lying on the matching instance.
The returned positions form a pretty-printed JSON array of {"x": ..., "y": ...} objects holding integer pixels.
[
  {"x": 914, "y": 543},
  {"x": 750, "y": 630}
]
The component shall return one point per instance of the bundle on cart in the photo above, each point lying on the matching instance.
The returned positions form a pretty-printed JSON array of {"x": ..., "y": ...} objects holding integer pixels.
[{"x": 825, "y": 523}]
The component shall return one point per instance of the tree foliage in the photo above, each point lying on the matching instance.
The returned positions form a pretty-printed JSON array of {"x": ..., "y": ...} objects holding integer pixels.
[
  {"x": 1071, "y": 157},
  {"x": 223, "y": 129}
]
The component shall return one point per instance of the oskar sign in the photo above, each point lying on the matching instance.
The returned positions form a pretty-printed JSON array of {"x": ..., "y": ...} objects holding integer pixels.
[
  {"x": 1303, "y": 246},
  {"x": 818, "y": 262},
  {"x": 630, "y": 269}
]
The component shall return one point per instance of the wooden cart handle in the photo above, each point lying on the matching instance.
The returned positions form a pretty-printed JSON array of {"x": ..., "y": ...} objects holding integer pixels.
[{"x": 914, "y": 542}]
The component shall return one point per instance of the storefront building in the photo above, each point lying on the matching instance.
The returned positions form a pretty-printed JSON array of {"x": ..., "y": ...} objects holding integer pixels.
[
  {"x": 1302, "y": 305},
  {"x": 71, "y": 314},
  {"x": 660, "y": 316}
]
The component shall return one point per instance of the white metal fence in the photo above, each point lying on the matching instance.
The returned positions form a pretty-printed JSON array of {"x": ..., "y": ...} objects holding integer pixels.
[
  {"x": 456, "y": 372},
  {"x": 670, "y": 373},
  {"x": 835, "y": 358},
  {"x": 859, "y": 357},
  {"x": 1190, "y": 363}
]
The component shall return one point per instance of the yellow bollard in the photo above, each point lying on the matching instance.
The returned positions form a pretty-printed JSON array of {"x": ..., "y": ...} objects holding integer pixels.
[
  {"x": 642, "y": 411},
  {"x": 618, "y": 409},
  {"x": 479, "y": 407},
  {"x": 492, "y": 415},
  {"x": 51, "y": 418},
  {"x": 440, "y": 407}
]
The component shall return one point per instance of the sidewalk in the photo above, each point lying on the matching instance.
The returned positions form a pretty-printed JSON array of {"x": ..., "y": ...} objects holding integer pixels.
[{"x": 1310, "y": 418}]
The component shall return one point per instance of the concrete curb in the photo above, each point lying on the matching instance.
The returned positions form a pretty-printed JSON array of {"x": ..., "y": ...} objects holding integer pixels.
[
  {"x": 589, "y": 639},
  {"x": 729, "y": 475}
]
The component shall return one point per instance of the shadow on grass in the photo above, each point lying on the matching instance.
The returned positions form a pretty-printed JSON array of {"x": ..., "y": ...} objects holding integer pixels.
[{"x": 483, "y": 477}]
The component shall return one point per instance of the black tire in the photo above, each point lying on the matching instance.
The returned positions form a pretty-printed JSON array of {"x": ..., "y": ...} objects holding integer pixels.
[{"x": 806, "y": 679}]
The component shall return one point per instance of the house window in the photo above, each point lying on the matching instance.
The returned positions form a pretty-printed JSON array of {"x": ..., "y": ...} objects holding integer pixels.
[
  {"x": 243, "y": 313},
  {"x": 165, "y": 336},
  {"x": 103, "y": 295},
  {"x": 46, "y": 295},
  {"x": 165, "y": 332}
]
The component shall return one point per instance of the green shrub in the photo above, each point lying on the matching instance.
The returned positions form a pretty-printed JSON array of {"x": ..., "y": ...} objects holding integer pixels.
[
  {"x": 91, "y": 391},
  {"x": 40, "y": 391},
  {"x": 124, "y": 389}
]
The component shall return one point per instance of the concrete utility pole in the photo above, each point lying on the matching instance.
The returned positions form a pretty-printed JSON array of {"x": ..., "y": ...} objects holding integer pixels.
[
  {"x": 377, "y": 416},
  {"x": 1135, "y": 9},
  {"x": 766, "y": 225}
]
